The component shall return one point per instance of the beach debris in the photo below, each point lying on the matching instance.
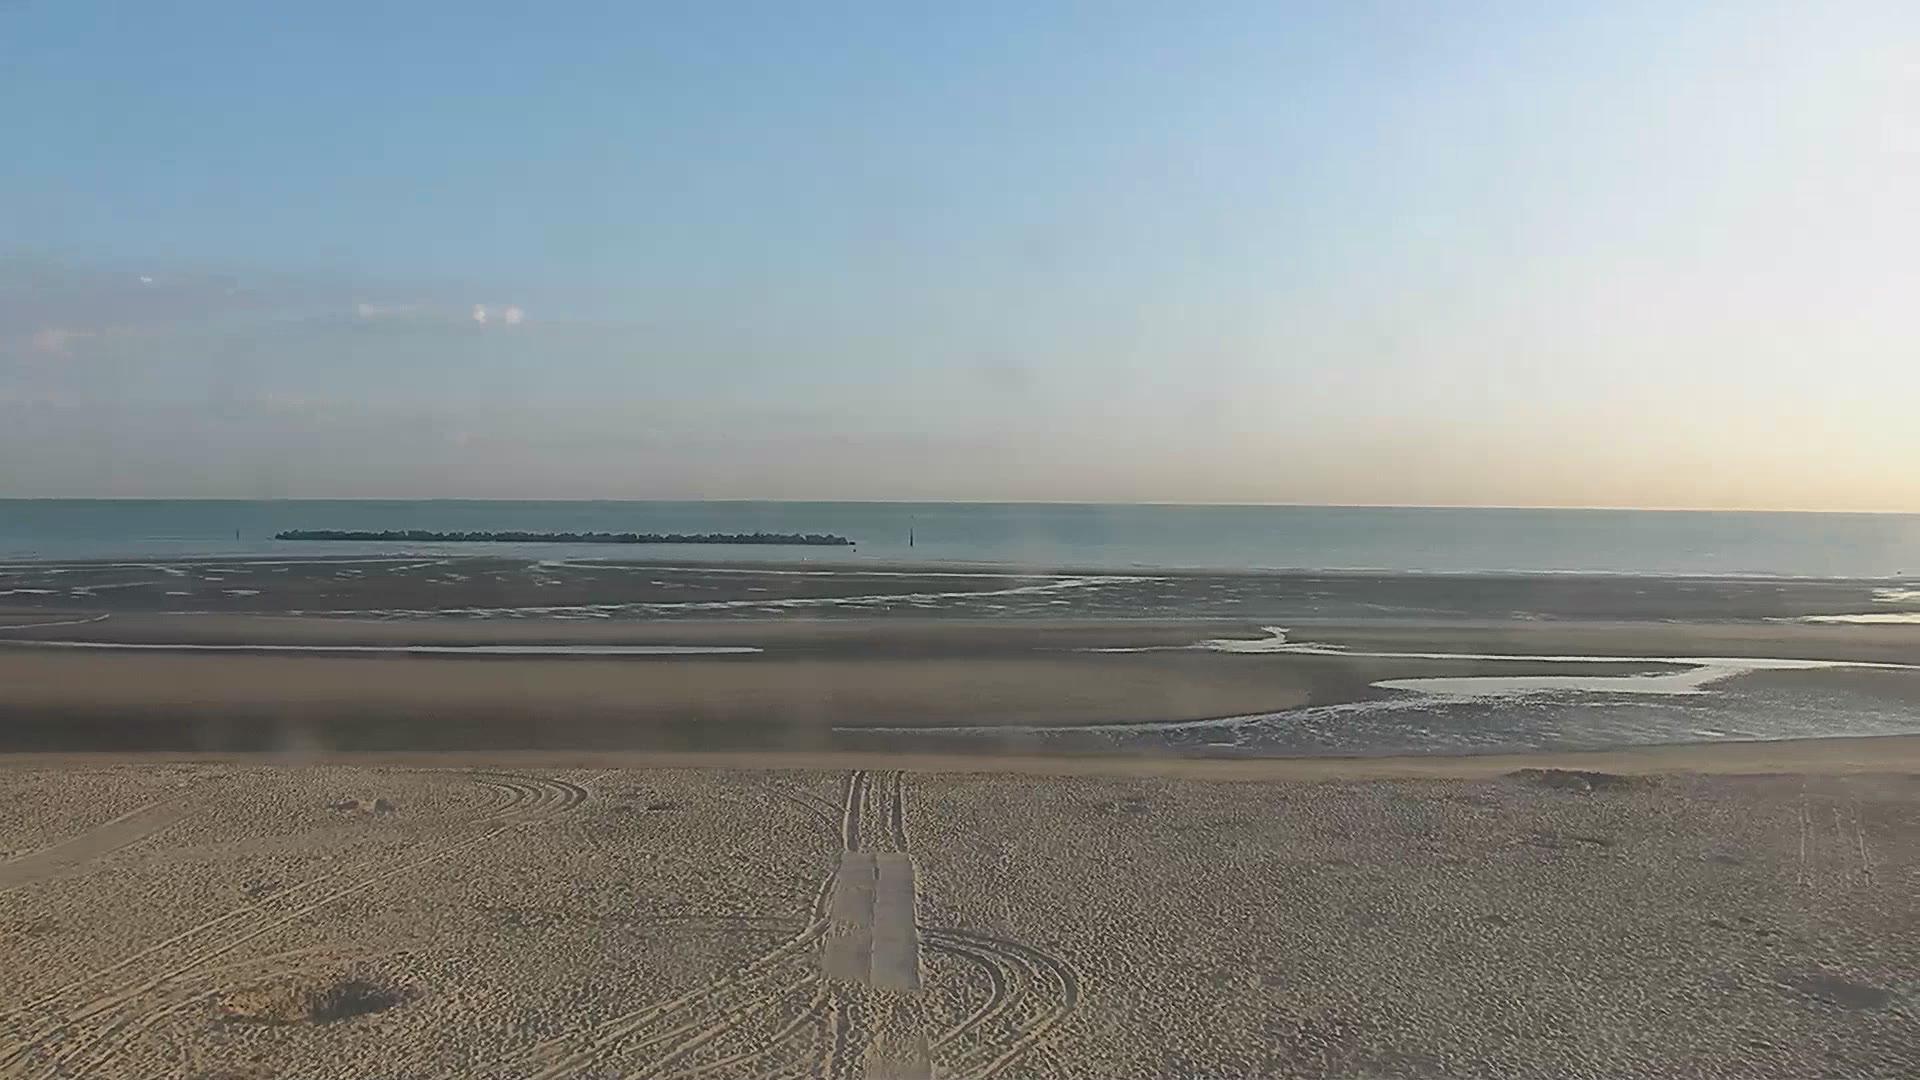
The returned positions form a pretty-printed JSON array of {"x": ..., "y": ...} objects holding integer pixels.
[
  {"x": 309, "y": 1000},
  {"x": 1580, "y": 780}
]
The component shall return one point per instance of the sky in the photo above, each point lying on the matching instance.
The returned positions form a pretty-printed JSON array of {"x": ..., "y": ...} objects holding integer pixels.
[{"x": 1616, "y": 254}]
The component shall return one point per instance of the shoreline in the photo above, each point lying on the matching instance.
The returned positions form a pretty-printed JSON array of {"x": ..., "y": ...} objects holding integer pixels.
[
  {"x": 474, "y": 586},
  {"x": 255, "y": 683},
  {"x": 508, "y": 655},
  {"x": 1858, "y": 755},
  {"x": 512, "y": 552},
  {"x": 1624, "y": 640}
]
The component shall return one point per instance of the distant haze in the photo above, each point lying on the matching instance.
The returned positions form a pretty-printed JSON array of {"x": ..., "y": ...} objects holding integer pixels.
[{"x": 1510, "y": 254}]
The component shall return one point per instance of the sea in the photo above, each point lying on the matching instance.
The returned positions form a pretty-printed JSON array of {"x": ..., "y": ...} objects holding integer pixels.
[
  {"x": 1851, "y": 567},
  {"x": 1077, "y": 535}
]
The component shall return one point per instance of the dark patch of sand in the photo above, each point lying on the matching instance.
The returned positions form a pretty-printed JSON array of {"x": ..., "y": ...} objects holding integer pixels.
[{"x": 808, "y": 678}]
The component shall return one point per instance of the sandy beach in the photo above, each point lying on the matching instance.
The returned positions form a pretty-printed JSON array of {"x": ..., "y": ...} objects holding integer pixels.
[
  {"x": 898, "y": 834},
  {"x": 642, "y": 917}
]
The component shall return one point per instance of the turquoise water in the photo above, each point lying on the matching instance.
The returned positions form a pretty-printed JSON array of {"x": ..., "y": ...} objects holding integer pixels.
[{"x": 1076, "y": 535}]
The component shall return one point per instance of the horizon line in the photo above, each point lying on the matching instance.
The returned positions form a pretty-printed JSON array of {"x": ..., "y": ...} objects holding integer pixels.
[{"x": 972, "y": 502}]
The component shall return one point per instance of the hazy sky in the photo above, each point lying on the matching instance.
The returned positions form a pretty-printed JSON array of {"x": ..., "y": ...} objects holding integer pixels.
[{"x": 1603, "y": 254}]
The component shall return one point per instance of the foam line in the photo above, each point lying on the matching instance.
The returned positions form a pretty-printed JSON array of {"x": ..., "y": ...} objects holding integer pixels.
[{"x": 445, "y": 650}]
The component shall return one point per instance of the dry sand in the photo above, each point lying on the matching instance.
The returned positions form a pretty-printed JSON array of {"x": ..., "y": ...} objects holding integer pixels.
[{"x": 514, "y": 916}]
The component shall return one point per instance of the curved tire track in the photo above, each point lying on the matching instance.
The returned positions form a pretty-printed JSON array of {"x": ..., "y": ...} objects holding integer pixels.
[
  {"x": 104, "y": 1049},
  {"x": 809, "y": 1017},
  {"x": 1039, "y": 972},
  {"x": 528, "y": 800},
  {"x": 691, "y": 1016},
  {"x": 639, "y": 1029},
  {"x": 1001, "y": 976}
]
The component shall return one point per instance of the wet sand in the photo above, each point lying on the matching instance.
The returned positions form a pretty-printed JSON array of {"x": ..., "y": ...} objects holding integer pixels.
[
  {"x": 246, "y": 682},
  {"x": 796, "y": 635},
  {"x": 507, "y": 918},
  {"x": 1826, "y": 757},
  {"x": 808, "y": 685},
  {"x": 116, "y": 701},
  {"x": 482, "y": 587}
]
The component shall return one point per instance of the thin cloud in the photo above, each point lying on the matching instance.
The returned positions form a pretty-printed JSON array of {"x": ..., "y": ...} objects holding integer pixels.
[
  {"x": 369, "y": 310},
  {"x": 47, "y": 305},
  {"x": 510, "y": 315},
  {"x": 54, "y": 340}
]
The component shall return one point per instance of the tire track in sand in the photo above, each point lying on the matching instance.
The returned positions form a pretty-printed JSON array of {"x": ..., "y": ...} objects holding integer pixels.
[
  {"x": 1023, "y": 972},
  {"x": 809, "y": 1017},
  {"x": 728, "y": 1021},
  {"x": 867, "y": 1013},
  {"x": 851, "y": 809},
  {"x": 1001, "y": 975},
  {"x": 871, "y": 957},
  {"x": 527, "y": 800},
  {"x": 689, "y": 1017},
  {"x": 812, "y": 805},
  {"x": 516, "y": 808},
  {"x": 897, "y": 812},
  {"x": 206, "y": 985},
  {"x": 96, "y": 843}
]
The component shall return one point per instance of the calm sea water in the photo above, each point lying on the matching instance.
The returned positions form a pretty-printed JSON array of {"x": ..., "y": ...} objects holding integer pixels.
[{"x": 1107, "y": 536}]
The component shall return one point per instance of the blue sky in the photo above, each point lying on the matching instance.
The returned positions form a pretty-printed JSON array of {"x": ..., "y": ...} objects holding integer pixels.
[{"x": 1459, "y": 254}]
